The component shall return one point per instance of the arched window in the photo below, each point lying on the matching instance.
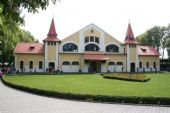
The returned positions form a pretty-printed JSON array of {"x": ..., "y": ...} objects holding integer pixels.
[
  {"x": 75, "y": 63},
  {"x": 40, "y": 64},
  {"x": 21, "y": 64},
  {"x": 112, "y": 48},
  {"x": 31, "y": 65},
  {"x": 66, "y": 63},
  {"x": 91, "y": 47},
  {"x": 111, "y": 63},
  {"x": 70, "y": 47},
  {"x": 119, "y": 63}
]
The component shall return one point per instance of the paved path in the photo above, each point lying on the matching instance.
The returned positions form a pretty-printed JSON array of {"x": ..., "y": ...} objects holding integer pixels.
[{"x": 14, "y": 101}]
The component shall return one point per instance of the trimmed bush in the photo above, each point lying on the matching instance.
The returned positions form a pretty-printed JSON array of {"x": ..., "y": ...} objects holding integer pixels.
[{"x": 128, "y": 77}]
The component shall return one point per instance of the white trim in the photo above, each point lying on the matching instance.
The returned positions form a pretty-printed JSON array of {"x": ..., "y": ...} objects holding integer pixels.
[
  {"x": 111, "y": 43},
  {"x": 57, "y": 56},
  {"x": 81, "y": 37},
  {"x": 137, "y": 59},
  {"x": 81, "y": 42},
  {"x": 128, "y": 64},
  {"x": 46, "y": 55},
  {"x": 102, "y": 42}
]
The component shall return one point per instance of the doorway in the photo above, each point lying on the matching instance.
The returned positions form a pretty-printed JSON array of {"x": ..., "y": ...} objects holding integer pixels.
[
  {"x": 95, "y": 67},
  {"x": 51, "y": 66},
  {"x": 132, "y": 67}
]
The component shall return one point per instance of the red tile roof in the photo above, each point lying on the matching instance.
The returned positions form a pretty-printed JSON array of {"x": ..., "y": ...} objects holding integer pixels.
[
  {"x": 31, "y": 48},
  {"x": 146, "y": 50},
  {"x": 52, "y": 35},
  {"x": 129, "y": 39},
  {"x": 95, "y": 56}
]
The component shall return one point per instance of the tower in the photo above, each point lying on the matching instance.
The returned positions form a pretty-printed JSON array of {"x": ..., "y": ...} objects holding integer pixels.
[
  {"x": 131, "y": 50},
  {"x": 51, "y": 49}
]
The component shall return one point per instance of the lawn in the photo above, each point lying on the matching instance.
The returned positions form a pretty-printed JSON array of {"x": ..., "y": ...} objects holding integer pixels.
[{"x": 94, "y": 84}]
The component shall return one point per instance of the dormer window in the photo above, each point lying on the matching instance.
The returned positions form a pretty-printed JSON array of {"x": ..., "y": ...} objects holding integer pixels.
[
  {"x": 143, "y": 50},
  {"x": 32, "y": 46}
]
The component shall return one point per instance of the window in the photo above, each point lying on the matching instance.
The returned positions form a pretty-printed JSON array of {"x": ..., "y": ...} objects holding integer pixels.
[
  {"x": 132, "y": 46},
  {"x": 70, "y": 47},
  {"x": 54, "y": 43},
  {"x": 97, "y": 39},
  {"x": 147, "y": 64},
  {"x": 31, "y": 65},
  {"x": 143, "y": 50},
  {"x": 49, "y": 43},
  {"x": 119, "y": 63},
  {"x": 21, "y": 64},
  {"x": 91, "y": 38},
  {"x": 111, "y": 63},
  {"x": 40, "y": 64},
  {"x": 86, "y": 39},
  {"x": 154, "y": 64},
  {"x": 66, "y": 63},
  {"x": 112, "y": 48},
  {"x": 91, "y": 47},
  {"x": 140, "y": 64},
  {"x": 75, "y": 63}
]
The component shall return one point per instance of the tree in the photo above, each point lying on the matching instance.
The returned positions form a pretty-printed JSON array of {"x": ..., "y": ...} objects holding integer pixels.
[
  {"x": 10, "y": 20},
  {"x": 155, "y": 37}
]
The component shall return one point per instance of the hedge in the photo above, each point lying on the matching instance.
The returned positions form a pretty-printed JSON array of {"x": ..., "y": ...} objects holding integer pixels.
[{"x": 96, "y": 98}]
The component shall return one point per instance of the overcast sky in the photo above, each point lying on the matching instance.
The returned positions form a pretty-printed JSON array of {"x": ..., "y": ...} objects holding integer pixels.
[{"x": 110, "y": 15}]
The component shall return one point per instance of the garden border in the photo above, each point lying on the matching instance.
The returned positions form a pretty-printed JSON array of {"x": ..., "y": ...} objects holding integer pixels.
[{"x": 93, "y": 98}]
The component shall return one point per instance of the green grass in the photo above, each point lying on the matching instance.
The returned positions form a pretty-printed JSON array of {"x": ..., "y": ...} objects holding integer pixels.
[{"x": 93, "y": 84}]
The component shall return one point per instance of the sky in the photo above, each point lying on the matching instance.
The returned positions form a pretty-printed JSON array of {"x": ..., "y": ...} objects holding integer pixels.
[{"x": 112, "y": 16}]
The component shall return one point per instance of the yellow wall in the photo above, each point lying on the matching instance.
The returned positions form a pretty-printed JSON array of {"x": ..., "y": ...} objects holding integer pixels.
[
  {"x": 51, "y": 53},
  {"x": 29, "y": 57},
  {"x": 132, "y": 54},
  {"x": 109, "y": 39},
  {"x": 95, "y": 33},
  {"x": 117, "y": 58},
  {"x": 70, "y": 57},
  {"x": 73, "y": 38},
  {"x": 149, "y": 59}
]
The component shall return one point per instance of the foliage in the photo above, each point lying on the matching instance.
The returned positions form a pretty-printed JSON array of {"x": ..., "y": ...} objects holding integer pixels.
[
  {"x": 157, "y": 37},
  {"x": 94, "y": 88},
  {"x": 10, "y": 21}
]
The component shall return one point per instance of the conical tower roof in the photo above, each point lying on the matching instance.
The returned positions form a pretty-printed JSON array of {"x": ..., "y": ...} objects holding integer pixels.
[
  {"x": 52, "y": 35},
  {"x": 129, "y": 38}
]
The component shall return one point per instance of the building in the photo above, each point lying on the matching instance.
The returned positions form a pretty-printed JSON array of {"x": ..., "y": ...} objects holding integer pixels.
[{"x": 88, "y": 50}]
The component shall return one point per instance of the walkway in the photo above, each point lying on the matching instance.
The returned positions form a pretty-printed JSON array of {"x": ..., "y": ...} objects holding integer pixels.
[{"x": 14, "y": 101}]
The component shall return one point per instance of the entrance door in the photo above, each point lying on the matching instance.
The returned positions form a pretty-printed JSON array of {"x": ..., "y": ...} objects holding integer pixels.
[
  {"x": 132, "y": 67},
  {"x": 95, "y": 67},
  {"x": 51, "y": 66}
]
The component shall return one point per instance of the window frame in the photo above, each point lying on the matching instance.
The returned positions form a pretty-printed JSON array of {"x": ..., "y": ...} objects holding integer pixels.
[
  {"x": 40, "y": 64},
  {"x": 31, "y": 64},
  {"x": 66, "y": 63}
]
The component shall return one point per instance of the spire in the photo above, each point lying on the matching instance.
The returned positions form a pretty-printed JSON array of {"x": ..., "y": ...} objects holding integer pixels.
[
  {"x": 52, "y": 35},
  {"x": 129, "y": 38},
  {"x": 52, "y": 31}
]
